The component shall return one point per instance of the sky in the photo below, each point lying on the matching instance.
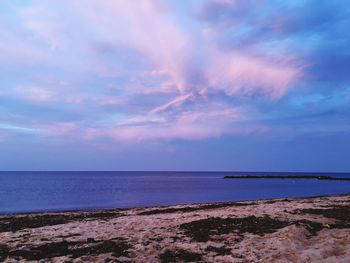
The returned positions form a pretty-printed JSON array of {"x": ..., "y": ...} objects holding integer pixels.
[{"x": 200, "y": 85}]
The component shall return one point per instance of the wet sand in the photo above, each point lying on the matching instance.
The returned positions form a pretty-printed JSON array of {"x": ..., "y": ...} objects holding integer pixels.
[{"x": 280, "y": 230}]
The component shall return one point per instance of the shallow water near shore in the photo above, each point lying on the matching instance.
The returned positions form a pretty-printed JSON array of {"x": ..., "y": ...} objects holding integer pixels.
[{"x": 53, "y": 191}]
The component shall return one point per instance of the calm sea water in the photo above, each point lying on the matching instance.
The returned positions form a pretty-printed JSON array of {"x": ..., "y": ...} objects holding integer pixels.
[{"x": 51, "y": 191}]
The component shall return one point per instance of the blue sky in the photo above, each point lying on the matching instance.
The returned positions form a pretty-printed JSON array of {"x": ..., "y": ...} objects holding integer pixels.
[{"x": 175, "y": 85}]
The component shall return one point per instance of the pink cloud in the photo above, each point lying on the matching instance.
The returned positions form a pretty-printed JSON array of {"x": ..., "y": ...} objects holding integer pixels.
[
  {"x": 170, "y": 132},
  {"x": 149, "y": 30},
  {"x": 36, "y": 94},
  {"x": 152, "y": 31},
  {"x": 188, "y": 68},
  {"x": 171, "y": 48},
  {"x": 191, "y": 125},
  {"x": 110, "y": 101},
  {"x": 175, "y": 102},
  {"x": 59, "y": 128},
  {"x": 237, "y": 73}
]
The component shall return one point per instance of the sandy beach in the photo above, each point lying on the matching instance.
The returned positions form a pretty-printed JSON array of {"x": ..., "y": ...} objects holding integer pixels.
[{"x": 279, "y": 230}]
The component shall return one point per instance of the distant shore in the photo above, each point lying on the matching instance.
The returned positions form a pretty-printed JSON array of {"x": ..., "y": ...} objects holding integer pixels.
[
  {"x": 318, "y": 177},
  {"x": 314, "y": 229}
]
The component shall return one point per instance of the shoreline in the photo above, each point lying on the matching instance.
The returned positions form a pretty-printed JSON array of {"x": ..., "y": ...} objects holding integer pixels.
[
  {"x": 88, "y": 210},
  {"x": 314, "y": 229}
]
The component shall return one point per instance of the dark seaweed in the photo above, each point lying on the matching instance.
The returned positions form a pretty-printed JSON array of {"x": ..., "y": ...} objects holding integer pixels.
[
  {"x": 341, "y": 213},
  {"x": 222, "y": 251},
  {"x": 3, "y": 251},
  {"x": 117, "y": 246},
  {"x": 315, "y": 227},
  {"x": 202, "y": 230},
  {"x": 312, "y": 227},
  {"x": 170, "y": 256},
  {"x": 17, "y": 222},
  {"x": 191, "y": 209}
]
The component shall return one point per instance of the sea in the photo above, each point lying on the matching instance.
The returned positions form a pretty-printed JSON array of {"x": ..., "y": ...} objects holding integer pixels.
[{"x": 64, "y": 191}]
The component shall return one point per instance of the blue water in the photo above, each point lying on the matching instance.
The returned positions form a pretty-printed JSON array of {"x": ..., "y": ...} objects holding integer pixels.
[{"x": 51, "y": 191}]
